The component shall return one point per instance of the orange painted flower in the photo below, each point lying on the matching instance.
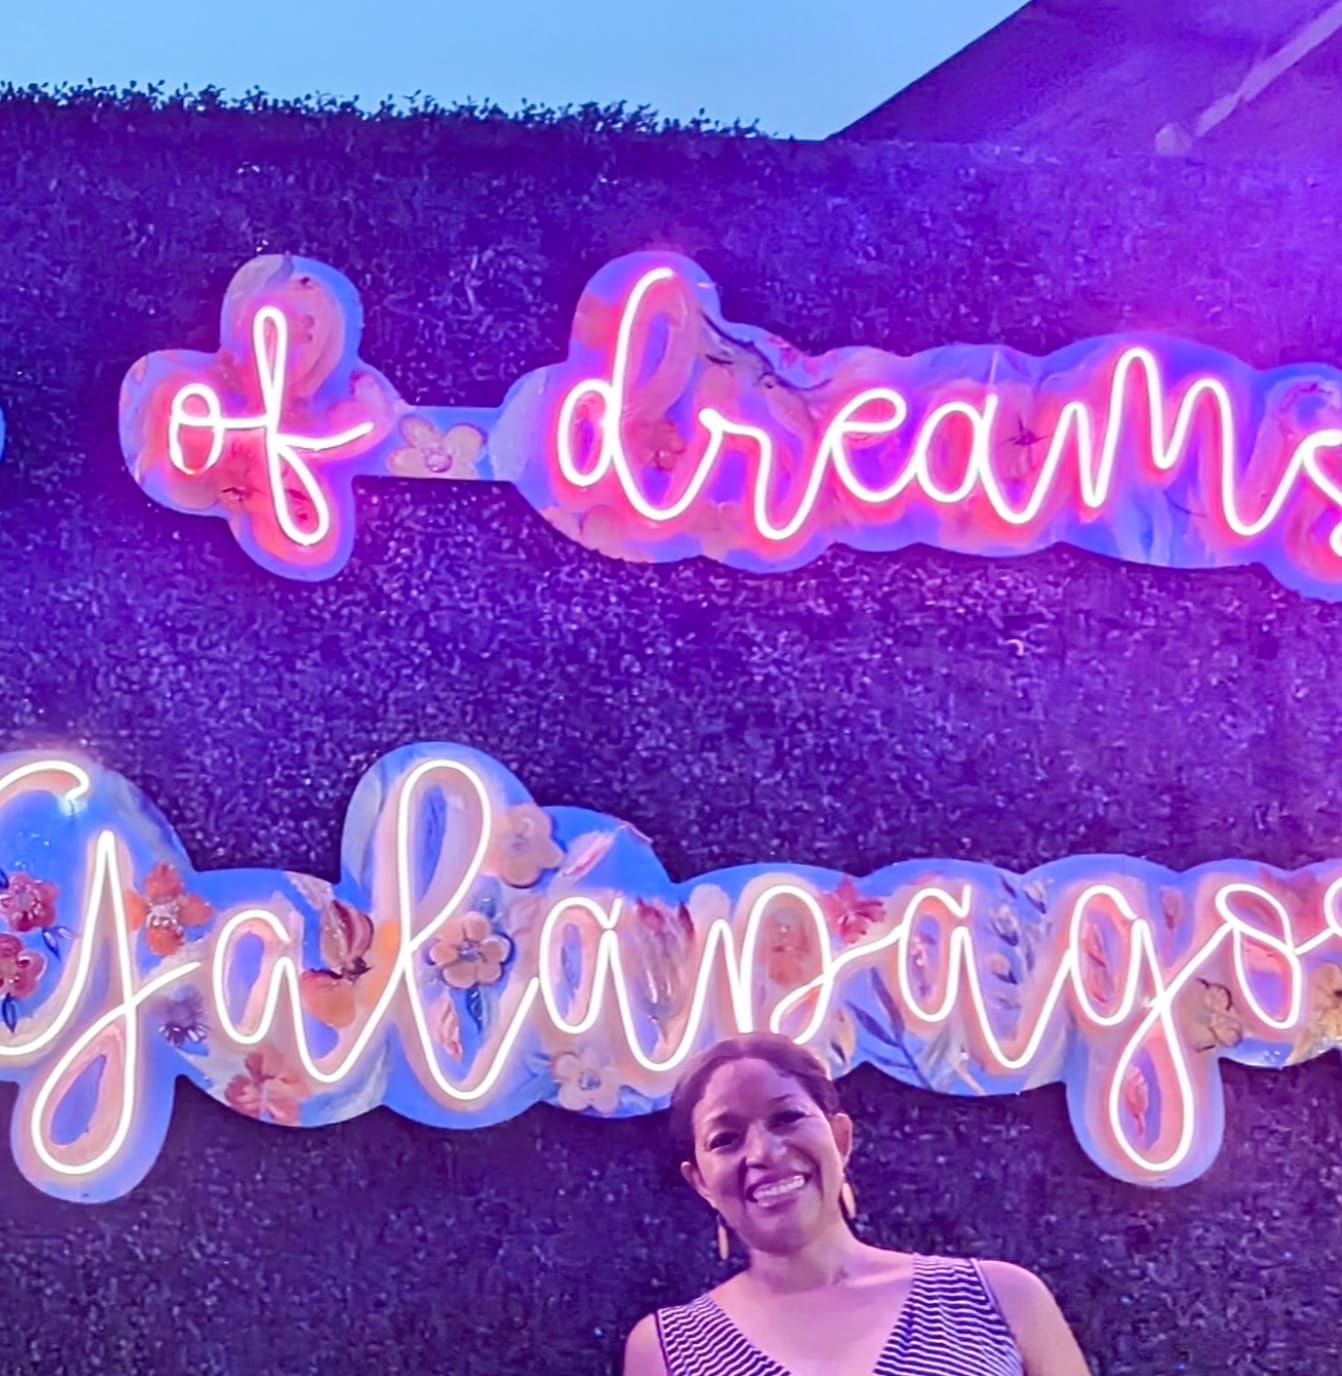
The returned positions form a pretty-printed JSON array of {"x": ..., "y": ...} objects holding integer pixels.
[
  {"x": 1208, "y": 1018},
  {"x": 469, "y": 952},
  {"x": 788, "y": 946},
  {"x": 346, "y": 938},
  {"x": 1137, "y": 1099},
  {"x": 166, "y": 911},
  {"x": 269, "y": 1089},
  {"x": 718, "y": 526},
  {"x": 1322, "y": 1027},
  {"x": 655, "y": 442},
  {"x": 522, "y": 847},
  {"x": 432, "y": 453},
  {"x": 661, "y": 939},
  {"x": 20, "y": 968},
  {"x": 585, "y": 1081},
  {"x": 849, "y": 913},
  {"x": 602, "y": 528},
  {"x": 27, "y": 903}
]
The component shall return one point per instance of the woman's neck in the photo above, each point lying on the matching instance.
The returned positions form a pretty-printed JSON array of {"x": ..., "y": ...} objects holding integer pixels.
[{"x": 832, "y": 1257}]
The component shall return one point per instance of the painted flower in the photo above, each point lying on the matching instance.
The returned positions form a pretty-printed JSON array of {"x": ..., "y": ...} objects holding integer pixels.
[
  {"x": 1137, "y": 1099},
  {"x": 28, "y": 904},
  {"x": 469, "y": 952},
  {"x": 20, "y": 968},
  {"x": 586, "y": 853},
  {"x": 1022, "y": 453},
  {"x": 601, "y": 528},
  {"x": 585, "y": 1081},
  {"x": 1323, "y": 1024},
  {"x": 328, "y": 993},
  {"x": 1208, "y": 1017},
  {"x": 1005, "y": 925},
  {"x": 166, "y": 911},
  {"x": 848, "y": 913},
  {"x": 522, "y": 847},
  {"x": 1097, "y": 977},
  {"x": 181, "y": 1019},
  {"x": 432, "y": 453},
  {"x": 269, "y": 1089},
  {"x": 718, "y": 528},
  {"x": 655, "y": 442},
  {"x": 789, "y": 949},
  {"x": 660, "y": 938}
]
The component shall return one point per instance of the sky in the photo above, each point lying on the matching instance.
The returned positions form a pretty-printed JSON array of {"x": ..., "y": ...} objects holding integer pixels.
[{"x": 800, "y": 68}]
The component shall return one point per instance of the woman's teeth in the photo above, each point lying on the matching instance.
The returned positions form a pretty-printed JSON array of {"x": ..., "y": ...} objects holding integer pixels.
[{"x": 778, "y": 1189}]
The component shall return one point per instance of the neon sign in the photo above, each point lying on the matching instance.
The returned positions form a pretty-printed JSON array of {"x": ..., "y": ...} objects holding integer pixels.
[
  {"x": 670, "y": 432},
  {"x": 480, "y": 954}
]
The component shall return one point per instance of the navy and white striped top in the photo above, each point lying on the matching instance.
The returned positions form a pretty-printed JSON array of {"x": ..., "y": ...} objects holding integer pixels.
[{"x": 950, "y": 1325}]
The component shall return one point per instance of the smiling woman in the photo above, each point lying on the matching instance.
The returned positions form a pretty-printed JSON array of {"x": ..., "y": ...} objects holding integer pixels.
[{"x": 764, "y": 1141}]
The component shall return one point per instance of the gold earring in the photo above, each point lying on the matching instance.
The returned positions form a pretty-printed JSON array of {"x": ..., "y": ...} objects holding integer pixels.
[
  {"x": 724, "y": 1240},
  {"x": 848, "y": 1200}
]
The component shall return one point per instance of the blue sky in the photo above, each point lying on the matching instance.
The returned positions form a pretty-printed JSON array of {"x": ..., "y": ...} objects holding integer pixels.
[{"x": 800, "y": 67}]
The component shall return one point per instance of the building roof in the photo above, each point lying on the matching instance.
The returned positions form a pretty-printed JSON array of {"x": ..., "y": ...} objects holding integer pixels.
[{"x": 1217, "y": 78}]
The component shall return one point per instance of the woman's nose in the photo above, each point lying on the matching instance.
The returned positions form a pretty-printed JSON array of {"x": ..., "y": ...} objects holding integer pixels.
[{"x": 761, "y": 1143}]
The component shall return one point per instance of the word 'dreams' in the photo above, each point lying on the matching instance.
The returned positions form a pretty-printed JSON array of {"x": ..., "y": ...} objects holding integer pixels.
[
  {"x": 479, "y": 954},
  {"x": 670, "y": 432}
]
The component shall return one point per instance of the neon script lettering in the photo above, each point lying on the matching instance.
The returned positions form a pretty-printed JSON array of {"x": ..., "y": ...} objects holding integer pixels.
[
  {"x": 480, "y": 954},
  {"x": 670, "y": 432}
]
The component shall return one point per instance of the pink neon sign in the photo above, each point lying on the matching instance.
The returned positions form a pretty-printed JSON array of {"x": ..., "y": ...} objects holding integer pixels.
[
  {"x": 670, "y": 432},
  {"x": 480, "y": 954}
]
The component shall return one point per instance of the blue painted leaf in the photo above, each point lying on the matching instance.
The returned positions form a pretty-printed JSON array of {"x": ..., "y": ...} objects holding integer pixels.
[
  {"x": 9, "y": 1011},
  {"x": 50, "y": 942},
  {"x": 4, "y": 881},
  {"x": 432, "y": 831},
  {"x": 892, "y": 1009},
  {"x": 475, "y": 1006},
  {"x": 876, "y": 1030},
  {"x": 568, "y": 960},
  {"x": 898, "y": 1056}
]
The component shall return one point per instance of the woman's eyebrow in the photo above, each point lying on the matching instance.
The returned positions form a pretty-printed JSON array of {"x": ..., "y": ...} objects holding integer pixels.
[{"x": 731, "y": 1114}]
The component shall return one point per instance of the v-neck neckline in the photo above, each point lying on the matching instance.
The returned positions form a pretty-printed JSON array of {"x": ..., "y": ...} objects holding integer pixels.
[{"x": 894, "y": 1345}]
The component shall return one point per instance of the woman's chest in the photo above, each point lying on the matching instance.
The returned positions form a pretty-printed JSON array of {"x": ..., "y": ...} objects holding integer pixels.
[{"x": 829, "y": 1336}]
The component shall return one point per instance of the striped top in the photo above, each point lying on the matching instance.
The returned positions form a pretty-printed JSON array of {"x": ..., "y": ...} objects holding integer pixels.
[{"x": 950, "y": 1325}]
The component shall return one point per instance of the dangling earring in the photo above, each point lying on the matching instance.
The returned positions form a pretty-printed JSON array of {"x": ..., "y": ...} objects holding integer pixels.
[
  {"x": 848, "y": 1200},
  {"x": 724, "y": 1240}
]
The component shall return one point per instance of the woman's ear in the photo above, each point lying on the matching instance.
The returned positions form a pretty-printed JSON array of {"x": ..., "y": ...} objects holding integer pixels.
[
  {"x": 841, "y": 1125},
  {"x": 696, "y": 1181}
]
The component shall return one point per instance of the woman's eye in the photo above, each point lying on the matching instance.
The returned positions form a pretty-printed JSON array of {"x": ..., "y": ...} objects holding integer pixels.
[
  {"x": 791, "y": 1116},
  {"x": 723, "y": 1139}
]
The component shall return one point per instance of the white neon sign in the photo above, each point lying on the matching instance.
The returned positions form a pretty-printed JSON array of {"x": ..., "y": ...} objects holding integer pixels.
[{"x": 518, "y": 954}]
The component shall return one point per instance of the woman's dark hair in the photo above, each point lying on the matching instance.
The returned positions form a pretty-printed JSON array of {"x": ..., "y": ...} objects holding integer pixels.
[{"x": 786, "y": 1057}]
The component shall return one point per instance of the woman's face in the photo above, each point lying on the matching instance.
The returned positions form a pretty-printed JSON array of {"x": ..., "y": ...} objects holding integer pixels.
[{"x": 766, "y": 1157}]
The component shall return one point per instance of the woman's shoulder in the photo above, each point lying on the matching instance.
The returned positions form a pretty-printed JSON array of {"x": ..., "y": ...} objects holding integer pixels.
[
  {"x": 1018, "y": 1295},
  {"x": 1008, "y": 1283},
  {"x": 1041, "y": 1330},
  {"x": 1015, "y": 1288},
  {"x": 643, "y": 1349}
]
